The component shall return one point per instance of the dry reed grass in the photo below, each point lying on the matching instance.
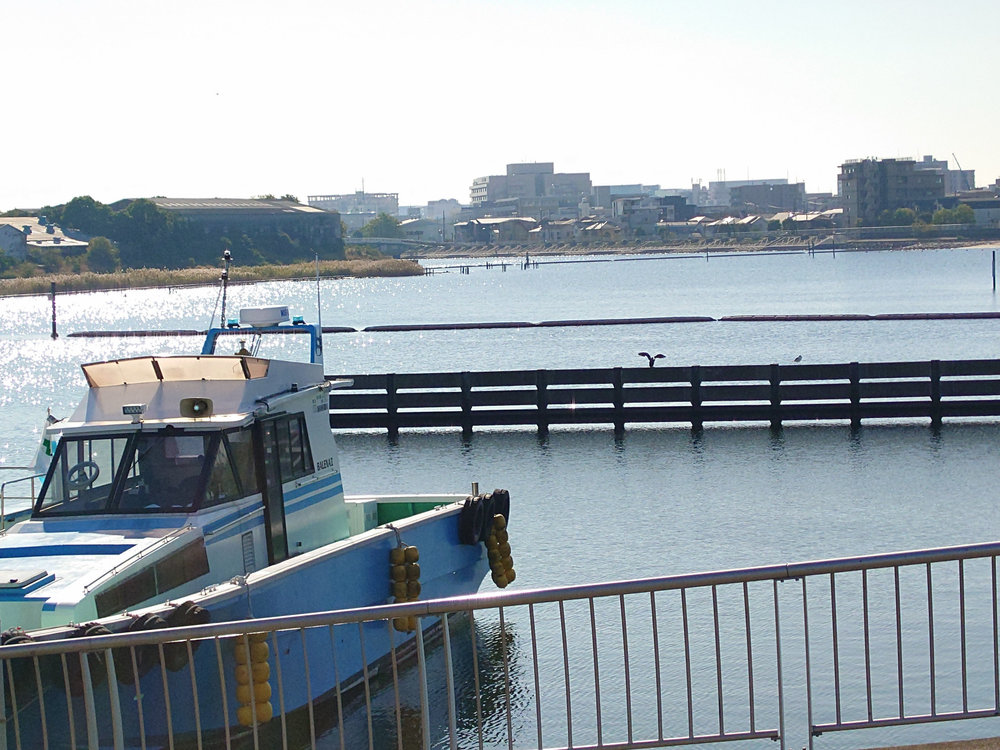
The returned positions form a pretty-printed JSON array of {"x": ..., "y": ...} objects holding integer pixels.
[{"x": 139, "y": 278}]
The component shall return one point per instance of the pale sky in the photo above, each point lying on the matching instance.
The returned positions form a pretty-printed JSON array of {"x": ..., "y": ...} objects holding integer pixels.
[{"x": 235, "y": 98}]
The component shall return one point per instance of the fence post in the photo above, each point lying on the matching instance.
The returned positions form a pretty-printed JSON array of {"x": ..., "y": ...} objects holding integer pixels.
[
  {"x": 936, "y": 392},
  {"x": 775, "y": 380},
  {"x": 854, "y": 373},
  {"x": 619, "y": 399},
  {"x": 466, "y": 405},
  {"x": 391, "y": 409},
  {"x": 52, "y": 291},
  {"x": 541, "y": 383},
  {"x": 696, "y": 421}
]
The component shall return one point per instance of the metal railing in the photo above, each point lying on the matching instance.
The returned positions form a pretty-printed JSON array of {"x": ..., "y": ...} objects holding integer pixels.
[
  {"x": 22, "y": 502},
  {"x": 783, "y": 652}
]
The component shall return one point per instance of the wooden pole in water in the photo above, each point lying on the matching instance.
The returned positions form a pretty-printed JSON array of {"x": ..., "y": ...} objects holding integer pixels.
[
  {"x": 994, "y": 270},
  {"x": 52, "y": 290}
]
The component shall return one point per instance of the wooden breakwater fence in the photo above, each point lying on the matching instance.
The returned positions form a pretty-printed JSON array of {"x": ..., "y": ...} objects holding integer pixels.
[{"x": 619, "y": 396}]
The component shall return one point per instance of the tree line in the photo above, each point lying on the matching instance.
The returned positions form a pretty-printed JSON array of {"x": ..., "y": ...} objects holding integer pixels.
[
  {"x": 905, "y": 217},
  {"x": 139, "y": 234}
]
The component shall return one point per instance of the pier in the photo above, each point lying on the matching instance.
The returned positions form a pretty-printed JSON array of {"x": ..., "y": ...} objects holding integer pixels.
[{"x": 619, "y": 396}]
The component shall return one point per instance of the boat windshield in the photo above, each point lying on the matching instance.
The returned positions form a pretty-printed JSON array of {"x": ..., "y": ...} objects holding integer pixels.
[{"x": 147, "y": 473}]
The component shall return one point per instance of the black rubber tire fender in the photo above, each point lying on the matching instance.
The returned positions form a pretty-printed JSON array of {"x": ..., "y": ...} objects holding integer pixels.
[
  {"x": 175, "y": 655},
  {"x": 95, "y": 660},
  {"x": 501, "y": 503},
  {"x": 146, "y": 657},
  {"x": 489, "y": 509},
  {"x": 470, "y": 521}
]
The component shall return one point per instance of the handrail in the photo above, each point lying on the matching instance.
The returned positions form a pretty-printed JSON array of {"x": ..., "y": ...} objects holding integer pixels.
[
  {"x": 144, "y": 552},
  {"x": 3, "y": 491},
  {"x": 497, "y": 599},
  {"x": 729, "y": 646}
]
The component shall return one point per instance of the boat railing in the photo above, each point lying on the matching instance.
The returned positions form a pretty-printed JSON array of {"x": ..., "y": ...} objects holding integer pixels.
[
  {"x": 25, "y": 499},
  {"x": 783, "y": 652},
  {"x": 161, "y": 542}
]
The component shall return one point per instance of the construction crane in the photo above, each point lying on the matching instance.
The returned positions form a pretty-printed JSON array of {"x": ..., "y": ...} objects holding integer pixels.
[{"x": 965, "y": 184}]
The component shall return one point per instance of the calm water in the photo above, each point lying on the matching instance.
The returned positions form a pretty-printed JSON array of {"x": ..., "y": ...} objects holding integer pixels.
[{"x": 586, "y": 506}]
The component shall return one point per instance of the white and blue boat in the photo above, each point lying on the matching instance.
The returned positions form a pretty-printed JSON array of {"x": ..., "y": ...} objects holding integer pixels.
[{"x": 185, "y": 489}]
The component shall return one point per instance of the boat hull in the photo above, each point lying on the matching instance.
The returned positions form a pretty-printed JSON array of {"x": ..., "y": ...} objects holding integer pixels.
[{"x": 200, "y": 698}]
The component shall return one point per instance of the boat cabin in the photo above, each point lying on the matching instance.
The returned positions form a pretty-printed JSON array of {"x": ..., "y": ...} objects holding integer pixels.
[{"x": 173, "y": 474}]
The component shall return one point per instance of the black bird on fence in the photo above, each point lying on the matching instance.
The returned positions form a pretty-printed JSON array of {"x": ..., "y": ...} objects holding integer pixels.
[{"x": 651, "y": 357}]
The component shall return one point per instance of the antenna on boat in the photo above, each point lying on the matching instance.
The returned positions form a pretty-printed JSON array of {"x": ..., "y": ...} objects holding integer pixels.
[
  {"x": 226, "y": 257},
  {"x": 319, "y": 317}
]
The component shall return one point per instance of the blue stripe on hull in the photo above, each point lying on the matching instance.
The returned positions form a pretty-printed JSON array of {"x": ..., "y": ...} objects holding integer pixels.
[
  {"x": 355, "y": 576},
  {"x": 59, "y": 550}
]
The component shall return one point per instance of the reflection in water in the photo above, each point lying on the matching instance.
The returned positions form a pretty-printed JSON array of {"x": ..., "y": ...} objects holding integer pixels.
[
  {"x": 393, "y": 719},
  {"x": 499, "y": 657}
]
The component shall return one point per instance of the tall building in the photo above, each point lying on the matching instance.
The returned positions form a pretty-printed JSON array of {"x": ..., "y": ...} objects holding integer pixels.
[
  {"x": 538, "y": 189},
  {"x": 867, "y": 187}
]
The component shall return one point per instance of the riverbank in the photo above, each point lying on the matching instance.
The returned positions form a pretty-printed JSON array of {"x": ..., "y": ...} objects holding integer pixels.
[
  {"x": 785, "y": 244},
  {"x": 142, "y": 278}
]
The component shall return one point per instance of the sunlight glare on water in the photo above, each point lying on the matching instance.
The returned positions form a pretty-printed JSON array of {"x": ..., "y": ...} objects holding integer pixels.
[{"x": 587, "y": 506}]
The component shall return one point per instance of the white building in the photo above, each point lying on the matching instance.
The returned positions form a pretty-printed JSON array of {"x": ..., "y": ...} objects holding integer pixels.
[{"x": 20, "y": 233}]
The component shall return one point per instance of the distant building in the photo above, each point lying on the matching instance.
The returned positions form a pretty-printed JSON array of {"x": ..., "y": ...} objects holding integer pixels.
[
  {"x": 602, "y": 197},
  {"x": 559, "y": 230},
  {"x": 13, "y": 241},
  {"x": 822, "y": 201},
  {"x": 720, "y": 192},
  {"x": 537, "y": 187},
  {"x": 640, "y": 215},
  {"x": 357, "y": 209},
  {"x": 22, "y": 233},
  {"x": 489, "y": 230},
  {"x": 955, "y": 180},
  {"x": 767, "y": 197},
  {"x": 867, "y": 187},
  {"x": 985, "y": 205},
  {"x": 320, "y": 228},
  {"x": 446, "y": 209},
  {"x": 423, "y": 230}
]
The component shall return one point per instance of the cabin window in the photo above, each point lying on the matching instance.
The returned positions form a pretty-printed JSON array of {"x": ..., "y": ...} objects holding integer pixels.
[
  {"x": 222, "y": 486},
  {"x": 152, "y": 472},
  {"x": 82, "y": 476},
  {"x": 240, "y": 444},
  {"x": 186, "y": 564},
  {"x": 293, "y": 447},
  {"x": 164, "y": 473}
]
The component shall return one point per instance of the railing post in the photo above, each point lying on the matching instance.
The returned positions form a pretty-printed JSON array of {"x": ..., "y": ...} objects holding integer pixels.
[
  {"x": 778, "y": 670},
  {"x": 619, "y": 399},
  {"x": 541, "y": 383},
  {"x": 391, "y": 409},
  {"x": 775, "y": 381},
  {"x": 696, "y": 421},
  {"x": 4, "y": 666},
  {"x": 466, "y": 405},
  {"x": 52, "y": 289},
  {"x": 854, "y": 373},
  {"x": 936, "y": 392},
  {"x": 425, "y": 704}
]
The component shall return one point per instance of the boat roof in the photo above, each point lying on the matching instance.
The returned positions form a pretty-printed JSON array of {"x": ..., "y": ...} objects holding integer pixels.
[
  {"x": 237, "y": 386},
  {"x": 176, "y": 368}
]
